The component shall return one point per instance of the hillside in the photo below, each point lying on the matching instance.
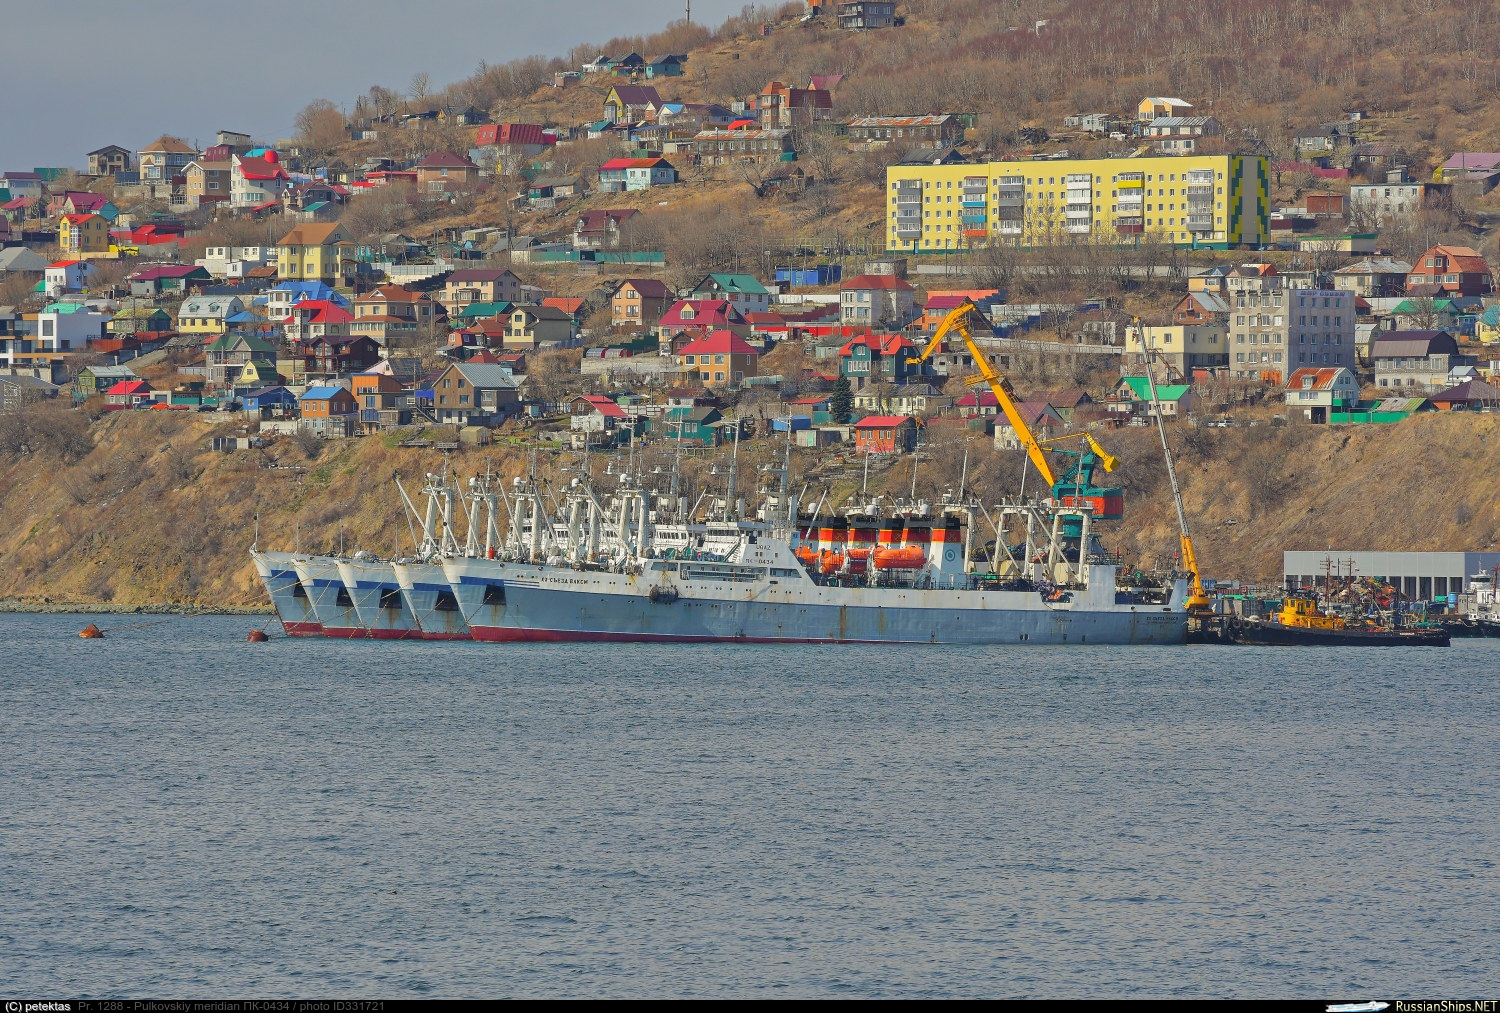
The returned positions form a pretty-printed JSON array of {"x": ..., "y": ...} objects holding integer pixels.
[
  {"x": 1426, "y": 75},
  {"x": 136, "y": 509}
]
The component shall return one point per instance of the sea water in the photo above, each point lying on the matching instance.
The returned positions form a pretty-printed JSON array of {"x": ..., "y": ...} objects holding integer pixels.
[{"x": 184, "y": 814}]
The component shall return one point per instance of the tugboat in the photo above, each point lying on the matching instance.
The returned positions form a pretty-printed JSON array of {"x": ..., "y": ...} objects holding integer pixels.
[
  {"x": 1478, "y": 609},
  {"x": 1302, "y": 623}
]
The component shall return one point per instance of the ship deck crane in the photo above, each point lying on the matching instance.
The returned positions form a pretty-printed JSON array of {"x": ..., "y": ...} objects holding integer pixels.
[{"x": 1197, "y": 600}]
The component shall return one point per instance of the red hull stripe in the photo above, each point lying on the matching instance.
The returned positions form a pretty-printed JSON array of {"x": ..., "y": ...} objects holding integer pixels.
[{"x": 302, "y": 629}]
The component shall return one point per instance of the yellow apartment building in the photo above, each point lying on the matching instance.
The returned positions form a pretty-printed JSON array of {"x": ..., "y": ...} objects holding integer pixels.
[{"x": 1215, "y": 201}]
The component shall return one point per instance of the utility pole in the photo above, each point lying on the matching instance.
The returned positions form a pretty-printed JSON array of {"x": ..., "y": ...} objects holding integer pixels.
[{"x": 690, "y": 11}]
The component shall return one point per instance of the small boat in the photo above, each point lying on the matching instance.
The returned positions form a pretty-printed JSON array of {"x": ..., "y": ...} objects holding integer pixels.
[
  {"x": 1301, "y": 623},
  {"x": 1373, "y": 1006}
]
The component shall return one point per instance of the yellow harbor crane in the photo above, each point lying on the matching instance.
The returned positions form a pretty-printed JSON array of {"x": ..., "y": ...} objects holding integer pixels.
[{"x": 1197, "y": 601}]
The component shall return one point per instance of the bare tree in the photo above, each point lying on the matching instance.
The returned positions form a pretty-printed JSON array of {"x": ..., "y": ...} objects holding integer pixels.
[{"x": 320, "y": 127}]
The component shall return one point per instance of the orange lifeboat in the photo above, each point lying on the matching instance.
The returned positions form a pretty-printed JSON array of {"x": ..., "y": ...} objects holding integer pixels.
[
  {"x": 807, "y": 554},
  {"x": 909, "y": 558},
  {"x": 830, "y": 561}
]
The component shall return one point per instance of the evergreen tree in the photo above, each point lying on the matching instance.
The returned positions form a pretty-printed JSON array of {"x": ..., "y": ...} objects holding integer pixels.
[{"x": 843, "y": 401}]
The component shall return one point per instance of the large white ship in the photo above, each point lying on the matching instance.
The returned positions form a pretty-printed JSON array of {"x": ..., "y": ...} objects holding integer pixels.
[{"x": 635, "y": 565}]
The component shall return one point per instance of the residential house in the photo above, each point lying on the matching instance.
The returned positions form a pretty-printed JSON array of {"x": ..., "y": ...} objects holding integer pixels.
[
  {"x": 163, "y": 159},
  {"x": 863, "y": 15},
  {"x": 1154, "y": 107},
  {"x": 110, "y": 159},
  {"x": 470, "y": 394},
  {"x": 509, "y": 144},
  {"x": 1041, "y": 418},
  {"x": 227, "y": 356},
  {"x": 744, "y": 291},
  {"x": 1133, "y": 397},
  {"x": 780, "y": 106},
  {"x": 234, "y": 262},
  {"x": 94, "y": 380},
  {"x": 734, "y": 147},
  {"x": 1471, "y": 395},
  {"x": 326, "y": 402},
  {"x": 700, "y": 424},
  {"x": 638, "y": 302},
  {"x": 1094, "y": 123},
  {"x": 20, "y": 260},
  {"x": 1186, "y": 347},
  {"x": 1322, "y": 143},
  {"x": 626, "y": 66},
  {"x": 943, "y": 130},
  {"x": 721, "y": 358},
  {"x": 1180, "y": 135},
  {"x": 545, "y": 191},
  {"x": 1373, "y": 278},
  {"x": 903, "y": 399},
  {"x": 207, "y": 314},
  {"x": 601, "y": 229},
  {"x": 257, "y": 181},
  {"x": 82, "y": 202},
  {"x": 207, "y": 183},
  {"x": 275, "y": 401},
  {"x": 1452, "y": 270},
  {"x": 391, "y": 313},
  {"x": 83, "y": 235},
  {"x": 167, "y": 278},
  {"x": 338, "y": 354},
  {"x": 313, "y": 252},
  {"x": 885, "y": 434},
  {"x": 880, "y": 301},
  {"x": 19, "y": 390},
  {"x": 376, "y": 392},
  {"x": 282, "y": 297},
  {"x": 23, "y": 185},
  {"x": 1320, "y": 390},
  {"x": 687, "y": 320},
  {"x": 66, "y": 276},
  {"x": 1416, "y": 359},
  {"x": 133, "y": 320},
  {"x": 128, "y": 394},
  {"x": 636, "y": 173},
  {"x": 1480, "y": 167},
  {"x": 1400, "y": 198},
  {"x": 444, "y": 172},
  {"x": 1197, "y": 309},
  {"x": 665, "y": 65},
  {"x": 540, "y": 327},
  {"x": 479, "y": 285},
  {"x": 878, "y": 359},
  {"x": 315, "y": 318},
  {"x": 596, "y": 414},
  {"x": 629, "y": 103}
]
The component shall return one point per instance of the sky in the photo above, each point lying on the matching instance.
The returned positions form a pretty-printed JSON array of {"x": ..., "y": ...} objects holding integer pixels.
[{"x": 192, "y": 67}]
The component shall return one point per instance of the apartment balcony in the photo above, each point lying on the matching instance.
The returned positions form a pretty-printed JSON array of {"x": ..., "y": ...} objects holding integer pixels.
[{"x": 973, "y": 219}]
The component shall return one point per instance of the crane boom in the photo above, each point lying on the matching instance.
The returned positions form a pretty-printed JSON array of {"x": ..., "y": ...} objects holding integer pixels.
[
  {"x": 957, "y": 321},
  {"x": 1197, "y": 600}
]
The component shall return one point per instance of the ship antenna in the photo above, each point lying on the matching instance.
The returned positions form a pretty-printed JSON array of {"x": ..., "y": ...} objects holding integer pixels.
[{"x": 256, "y": 544}]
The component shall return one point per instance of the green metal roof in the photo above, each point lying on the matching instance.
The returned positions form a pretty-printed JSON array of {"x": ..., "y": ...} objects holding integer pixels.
[{"x": 1141, "y": 388}]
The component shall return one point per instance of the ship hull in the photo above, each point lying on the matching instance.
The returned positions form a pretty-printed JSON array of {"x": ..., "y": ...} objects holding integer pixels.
[
  {"x": 330, "y": 599},
  {"x": 378, "y": 601},
  {"x": 278, "y": 573},
  {"x": 1277, "y": 635},
  {"x": 431, "y": 602},
  {"x": 509, "y": 602}
]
